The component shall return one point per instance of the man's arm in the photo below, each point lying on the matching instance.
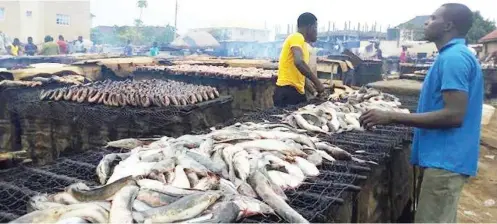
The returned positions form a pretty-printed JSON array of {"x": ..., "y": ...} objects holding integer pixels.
[
  {"x": 455, "y": 73},
  {"x": 298, "y": 58},
  {"x": 451, "y": 116}
]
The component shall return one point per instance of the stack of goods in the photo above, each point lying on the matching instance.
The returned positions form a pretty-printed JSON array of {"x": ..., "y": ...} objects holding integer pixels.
[
  {"x": 193, "y": 62},
  {"x": 144, "y": 93},
  {"x": 343, "y": 114},
  {"x": 214, "y": 71},
  {"x": 488, "y": 66},
  {"x": 220, "y": 177},
  {"x": 10, "y": 83}
]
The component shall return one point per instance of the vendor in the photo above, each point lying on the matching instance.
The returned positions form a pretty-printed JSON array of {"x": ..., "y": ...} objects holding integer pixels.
[
  {"x": 294, "y": 64},
  {"x": 447, "y": 139}
]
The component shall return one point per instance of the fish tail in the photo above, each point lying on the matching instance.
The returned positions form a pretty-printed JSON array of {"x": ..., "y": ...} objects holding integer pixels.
[{"x": 139, "y": 217}]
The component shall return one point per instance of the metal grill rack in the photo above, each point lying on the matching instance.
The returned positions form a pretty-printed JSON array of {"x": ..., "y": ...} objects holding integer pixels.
[{"x": 317, "y": 199}]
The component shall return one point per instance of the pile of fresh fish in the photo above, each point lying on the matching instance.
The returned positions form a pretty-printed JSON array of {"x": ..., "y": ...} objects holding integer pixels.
[
  {"x": 214, "y": 71},
  {"x": 134, "y": 93},
  {"x": 343, "y": 114},
  {"x": 220, "y": 177}
]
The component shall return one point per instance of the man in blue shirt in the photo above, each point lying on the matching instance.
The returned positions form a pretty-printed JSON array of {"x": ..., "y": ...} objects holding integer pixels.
[{"x": 446, "y": 141}]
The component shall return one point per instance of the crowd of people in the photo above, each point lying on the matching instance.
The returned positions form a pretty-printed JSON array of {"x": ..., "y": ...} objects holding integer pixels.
[{"x": 49, "y": 46}]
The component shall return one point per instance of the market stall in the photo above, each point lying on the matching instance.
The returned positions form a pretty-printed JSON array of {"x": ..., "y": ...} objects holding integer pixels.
[
  {"x": 361, "y": 176},
  {"x": 56, "y": 119}
]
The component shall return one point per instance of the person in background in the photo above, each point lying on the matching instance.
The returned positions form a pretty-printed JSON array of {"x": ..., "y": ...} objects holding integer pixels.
[
  {"x": 4, "y": 43},
  {"x": 94, "y": 48},
  {"x": 49, "y": 47},
  {"x": 379, "y": 53},
  {"x": 30, "y": 48},
  {"x": 128, "y": 49},
  {"x": 62, "y": 45},
  {"x": 78, "y": 45},
  {"x": 294, "y": 64},
  {"x": 403, "y": 55},
  {"x": 15, "y": 48},
  {"x": 447, "y": 135},
  {"x": 154, "y": 50}
]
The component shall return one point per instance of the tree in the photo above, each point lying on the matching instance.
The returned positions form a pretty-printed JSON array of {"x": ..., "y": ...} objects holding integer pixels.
[
  {"x": 138, "y": 22},
  {"x": 96, "y": 36},
  {"x": 480, "y": 28},
  {"x": 142, "y": 4}
]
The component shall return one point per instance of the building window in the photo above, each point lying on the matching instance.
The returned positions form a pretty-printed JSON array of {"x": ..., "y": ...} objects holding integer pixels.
[
  {"x": 63, "y": 19},
  {"x": 2, "y": 14},
  {"x": 29, "y": 13}
]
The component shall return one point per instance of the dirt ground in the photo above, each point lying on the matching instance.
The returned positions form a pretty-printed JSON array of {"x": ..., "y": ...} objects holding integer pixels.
[{"x": 475, "y": 205}]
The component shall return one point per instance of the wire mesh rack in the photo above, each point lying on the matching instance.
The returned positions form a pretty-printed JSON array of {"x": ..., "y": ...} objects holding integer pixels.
[
  {"x": 317, "y": 199},
  {"x": 26, "y": 103}
]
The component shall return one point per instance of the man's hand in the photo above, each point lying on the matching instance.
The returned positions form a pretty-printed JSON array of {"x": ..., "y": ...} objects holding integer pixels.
[
  {"x": 319, "y": 88},
  {"x": 375, "y": 117}
]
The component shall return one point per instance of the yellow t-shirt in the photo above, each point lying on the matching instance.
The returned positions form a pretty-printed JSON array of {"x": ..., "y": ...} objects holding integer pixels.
[
  {"x": 14, "y": 50},
  {"x": 288, "y": 74}
]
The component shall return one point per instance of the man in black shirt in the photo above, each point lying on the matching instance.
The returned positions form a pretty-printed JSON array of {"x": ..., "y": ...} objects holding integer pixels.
[{"x": 379, "y": 53}]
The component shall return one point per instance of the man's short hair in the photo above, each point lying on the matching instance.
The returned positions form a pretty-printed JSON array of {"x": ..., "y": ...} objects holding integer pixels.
[
  {"x": 460, "y": 15},
  {"x": 306, "y": 19}
]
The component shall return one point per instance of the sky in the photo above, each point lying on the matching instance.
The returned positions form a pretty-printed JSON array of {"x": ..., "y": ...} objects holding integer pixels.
[{"x": 271, "y": 13}]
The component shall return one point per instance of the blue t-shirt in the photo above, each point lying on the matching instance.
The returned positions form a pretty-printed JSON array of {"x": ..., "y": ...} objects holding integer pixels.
[
  {"x": 454, "y": 149},
  {"x": 154, "y": 51}
]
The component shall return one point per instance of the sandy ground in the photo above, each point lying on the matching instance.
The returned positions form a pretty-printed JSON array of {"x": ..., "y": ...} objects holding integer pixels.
[{"x": 475, "y": 204}]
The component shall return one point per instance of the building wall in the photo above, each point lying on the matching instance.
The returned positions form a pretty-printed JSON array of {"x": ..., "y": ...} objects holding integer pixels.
[
  {"x": 10, "y": 23},
  {"x": 489, "y": 47},
  {"x": 79, "y": 14},
  {"x": 392, "y": 48},
  {"x": 30, "y": 13},
  {"x": 38, "y": 19}
]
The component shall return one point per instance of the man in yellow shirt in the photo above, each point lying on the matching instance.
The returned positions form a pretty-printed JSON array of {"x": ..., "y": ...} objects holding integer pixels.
[{"x": 294, "y": 64}]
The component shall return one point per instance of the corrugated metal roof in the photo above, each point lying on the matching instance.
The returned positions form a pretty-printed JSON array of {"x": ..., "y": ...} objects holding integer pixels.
[
  {"x": 492, "y": 36},
  {"x": 416, "y": 22},
  {"x": 200, "y": 39}
]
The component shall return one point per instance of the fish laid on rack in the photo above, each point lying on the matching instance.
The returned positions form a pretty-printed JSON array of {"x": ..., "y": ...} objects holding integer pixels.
[
  {"x": 226, "y": 175},
  {"x": 10, "y": 83},
  {"x": 134, "y": 93},
  {"x": 66, "y": 79},
  {"x": 343, "y": 113},
  {"x": 214, "y": 71}
]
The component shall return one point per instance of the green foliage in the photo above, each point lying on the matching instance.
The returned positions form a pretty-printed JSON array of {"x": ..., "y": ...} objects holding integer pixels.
[
  {"x": 138, "y": 22},
  {"x": 480, "y": 28},
  {"x": 142, "y": 4}
]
